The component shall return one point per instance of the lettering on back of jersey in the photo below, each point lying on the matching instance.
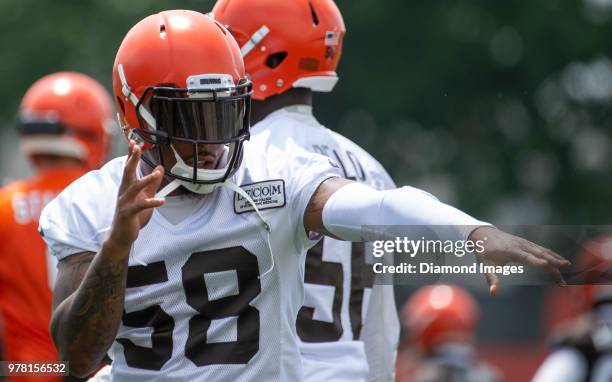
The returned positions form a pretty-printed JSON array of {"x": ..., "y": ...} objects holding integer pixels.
[{"x": 267, "y": 194}]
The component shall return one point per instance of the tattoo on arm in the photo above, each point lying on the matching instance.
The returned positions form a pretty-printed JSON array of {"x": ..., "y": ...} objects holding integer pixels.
[
  {"x": 313, "y": 215},
  {"x": 88, "y": 306},
  {"x": 71, "y": 272}
]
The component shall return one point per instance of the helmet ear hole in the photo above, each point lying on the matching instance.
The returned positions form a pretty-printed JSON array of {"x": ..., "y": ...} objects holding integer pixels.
[{"x": 275, "y": 59}]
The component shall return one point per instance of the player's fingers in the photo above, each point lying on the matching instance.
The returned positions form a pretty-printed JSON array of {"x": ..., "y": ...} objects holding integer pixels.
[
  {"x": 493, "y": 281},
  {"x": 129, "y": 171},
  {"x": 151, "y": 189},
  {"x": 559, "y": 260},
  {"x": 131, "y": 145},
  {"x": 557, "y": 276},
  {"x": 562, "y": 261},
  {"x": 150, "y": 203},
  {"x": 542, "y": 253},
  {"x": 145, "y": 204},
  {"x": 124, "y": 180},
  {"x": 552, "y": 257},
  {"x": 528, "y": 258},
  {"x": 139, "y": 185}
]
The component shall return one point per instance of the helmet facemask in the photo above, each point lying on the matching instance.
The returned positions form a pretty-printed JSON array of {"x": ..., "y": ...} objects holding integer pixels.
[{"x": 194, "y": 122}]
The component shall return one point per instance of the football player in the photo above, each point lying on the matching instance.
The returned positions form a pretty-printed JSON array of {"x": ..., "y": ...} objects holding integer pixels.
[
  {"x": 583, "y": 347},
  {"x": 62, "y": 122},
  {"x": 206, "y": 284},
  {"x": 347, "y": 326},
  {"x": 440, "y": 323}
]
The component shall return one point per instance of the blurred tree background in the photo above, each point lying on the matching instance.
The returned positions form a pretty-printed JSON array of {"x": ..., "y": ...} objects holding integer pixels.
[{"x": 499, "y": 107}]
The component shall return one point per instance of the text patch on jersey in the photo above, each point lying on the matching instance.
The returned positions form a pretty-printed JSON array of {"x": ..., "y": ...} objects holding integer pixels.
[{"x": 267, "y": 194}]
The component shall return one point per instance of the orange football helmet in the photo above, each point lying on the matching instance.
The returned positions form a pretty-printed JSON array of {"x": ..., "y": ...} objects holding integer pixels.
[
  {"x": 439, "y": 313},
  {"x": 286, "y": 44},
  {"x": 66, "y": 114},
  {"x": 179, "y": 77}
]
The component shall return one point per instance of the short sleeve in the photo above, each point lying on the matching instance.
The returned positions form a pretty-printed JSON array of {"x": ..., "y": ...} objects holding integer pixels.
[
  {"x": 65, "y": 237},
  {"x": 79, "y": 218}
]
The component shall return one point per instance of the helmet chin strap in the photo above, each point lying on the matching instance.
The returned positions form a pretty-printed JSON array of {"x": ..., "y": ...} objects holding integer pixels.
[
  {"x": 233, "y": 187},
  {"x": 181, "y": 168}
]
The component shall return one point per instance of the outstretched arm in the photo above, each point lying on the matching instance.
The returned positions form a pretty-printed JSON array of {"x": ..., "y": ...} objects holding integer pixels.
[
  {"x": 340, "y": 208},
  {"x": 90, "y": 290}
]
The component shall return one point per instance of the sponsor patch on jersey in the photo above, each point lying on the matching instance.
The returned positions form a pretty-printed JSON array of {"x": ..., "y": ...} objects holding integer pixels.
[{"x": 266, "y": 195}]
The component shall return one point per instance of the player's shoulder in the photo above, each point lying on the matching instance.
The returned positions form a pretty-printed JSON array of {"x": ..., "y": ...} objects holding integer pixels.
[
  {"x": 378, "y": 176},
  {"x": 287, "y": 117},
  {"x": 101, "y": 180},
  {"x": 285, "y": 128},
  {"x": 78, "y": 218},
  {"x": 95, "y": 188},
  {"x": 348, "y": 145},
  {"x": 261, "y": 164}
]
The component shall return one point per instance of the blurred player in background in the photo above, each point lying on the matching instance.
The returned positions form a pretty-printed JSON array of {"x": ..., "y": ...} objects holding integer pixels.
[
  {"x": 440, "y": 323},
  {"x": 347, "y": 326},
  {"x": 582, "y": 347},
  {"x": 62, "y": 122}
]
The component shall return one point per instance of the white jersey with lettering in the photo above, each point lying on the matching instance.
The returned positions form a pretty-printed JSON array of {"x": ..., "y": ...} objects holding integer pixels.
[
  {"x": 348, "y": 328},
  {"x": 210, "y": 305}
]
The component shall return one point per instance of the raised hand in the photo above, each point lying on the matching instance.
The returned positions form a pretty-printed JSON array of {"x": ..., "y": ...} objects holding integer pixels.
[
  {"x": 135, "y": 201},
  {"x": 502, "y": 248}
]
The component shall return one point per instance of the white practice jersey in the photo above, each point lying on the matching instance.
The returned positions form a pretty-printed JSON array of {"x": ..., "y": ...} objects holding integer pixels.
[
  {"x": 200, "y": 310},
  {"x": 348, "y": 329}
]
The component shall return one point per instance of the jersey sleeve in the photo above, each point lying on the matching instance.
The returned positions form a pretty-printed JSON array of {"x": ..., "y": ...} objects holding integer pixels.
[
  {"x": 304, "y": 173},
  {"x": 79, "y": 218}
]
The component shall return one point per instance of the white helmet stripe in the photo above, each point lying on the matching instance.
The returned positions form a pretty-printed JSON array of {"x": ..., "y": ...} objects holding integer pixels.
[
  {"x": 254, "y": 40},
  {"x": 127, "y": 92}
]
